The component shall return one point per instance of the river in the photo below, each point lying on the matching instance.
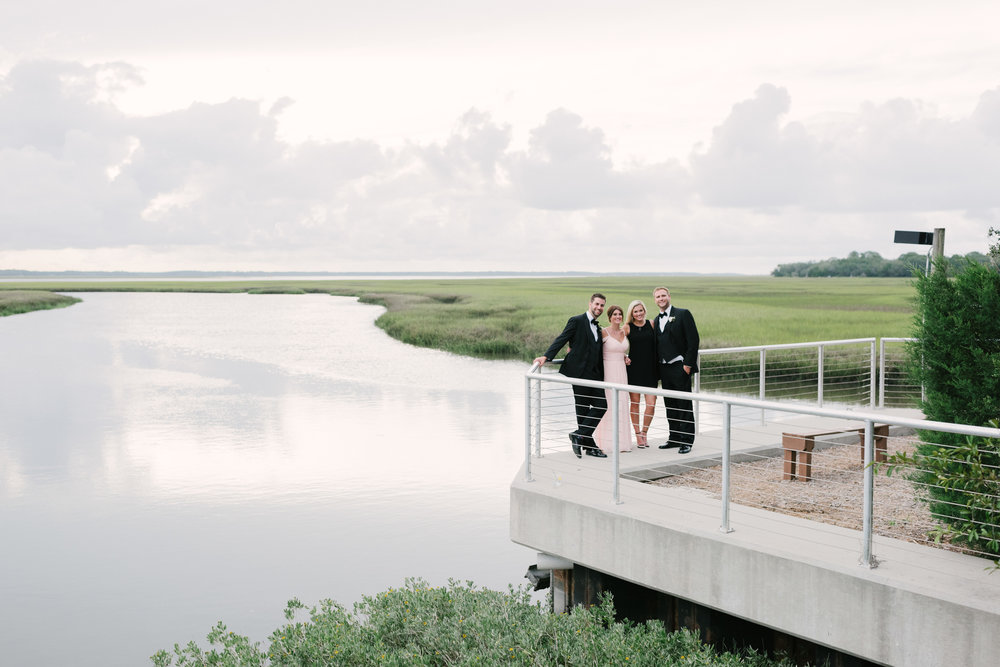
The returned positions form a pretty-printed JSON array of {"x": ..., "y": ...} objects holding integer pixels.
[{"x": 171, "y": 460}]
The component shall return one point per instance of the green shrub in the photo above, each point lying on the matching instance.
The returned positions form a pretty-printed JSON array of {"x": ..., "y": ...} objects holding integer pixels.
[
  {"x": 456, "y": 625},
  {"x": 957, "y": 358},
  {"x": 963, "y": 487}
]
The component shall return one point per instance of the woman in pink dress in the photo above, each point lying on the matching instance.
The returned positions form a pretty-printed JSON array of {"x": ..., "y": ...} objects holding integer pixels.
[{"x": 615, "y": 360}]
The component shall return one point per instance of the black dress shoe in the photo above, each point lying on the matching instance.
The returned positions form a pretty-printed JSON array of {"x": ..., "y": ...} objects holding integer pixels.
[
  {"x": 575, "y": 439},
  {"x": 594, "y": 451},
  {"x": 668, "y": 445},
  {"x": 684, "y": 449}
]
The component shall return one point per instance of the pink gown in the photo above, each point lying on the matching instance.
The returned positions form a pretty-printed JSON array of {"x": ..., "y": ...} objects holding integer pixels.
[{"x": 614, "y": 371}]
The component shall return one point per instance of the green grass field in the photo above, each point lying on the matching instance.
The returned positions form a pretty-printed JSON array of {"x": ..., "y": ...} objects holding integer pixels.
[{"x": 517, "y": 318}]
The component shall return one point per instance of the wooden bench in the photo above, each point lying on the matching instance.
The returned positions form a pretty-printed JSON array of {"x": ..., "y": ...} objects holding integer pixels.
[{"x": 798, "y": 449}]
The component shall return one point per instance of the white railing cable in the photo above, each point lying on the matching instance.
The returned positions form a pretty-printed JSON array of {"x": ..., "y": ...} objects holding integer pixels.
[{"x": 732, "y": 417}]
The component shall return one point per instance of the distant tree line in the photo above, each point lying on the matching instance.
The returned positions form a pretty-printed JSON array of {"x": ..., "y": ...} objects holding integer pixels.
[{"x": 867, "y": 264}]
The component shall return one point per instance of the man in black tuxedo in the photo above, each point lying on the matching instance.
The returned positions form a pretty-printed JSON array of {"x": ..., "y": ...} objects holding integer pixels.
[
  {"x": 585, "y": 360},
  {"x": 677, "y": 357}
]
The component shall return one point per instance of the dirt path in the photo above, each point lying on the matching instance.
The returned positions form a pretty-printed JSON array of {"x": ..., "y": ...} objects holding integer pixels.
[{"x": 834, "y": 496}]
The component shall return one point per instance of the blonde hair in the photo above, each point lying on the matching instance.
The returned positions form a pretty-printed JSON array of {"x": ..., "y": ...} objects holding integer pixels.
[{"x": 628, "y": 318}]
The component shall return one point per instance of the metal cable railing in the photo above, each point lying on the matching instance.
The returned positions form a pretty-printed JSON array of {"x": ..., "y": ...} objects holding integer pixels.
[
  {"x": 895, "y": 387},
  {"x": 838, "y": 370},
  {"x": 742, "y": 459}
]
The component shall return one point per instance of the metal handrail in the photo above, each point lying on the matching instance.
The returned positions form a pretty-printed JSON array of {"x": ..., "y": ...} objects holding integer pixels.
[
  {"x": 784, "y": 346},
  {"x": 867, "y": 558},
  {"x": 877, "y": 366},
  {"x": 797, "y": 408},
  {"x": 820, "y": 347}
]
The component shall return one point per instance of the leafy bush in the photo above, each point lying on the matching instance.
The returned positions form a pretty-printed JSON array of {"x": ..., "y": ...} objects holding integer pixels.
[
  {"x": 456, "y": 625},
  {"x": 957, "y": 352},
  {"x": 964, "y": 479},
  {"x": 957, "y": 358}
]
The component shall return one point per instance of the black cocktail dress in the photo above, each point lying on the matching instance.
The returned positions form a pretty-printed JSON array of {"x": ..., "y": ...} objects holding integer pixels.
[{"x": 642, "y": 370}]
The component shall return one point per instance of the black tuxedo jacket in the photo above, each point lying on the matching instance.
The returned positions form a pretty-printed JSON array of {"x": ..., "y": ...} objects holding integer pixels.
[
  {"x": 585, "y": 359},
  {"x": 679, "y": 337}
]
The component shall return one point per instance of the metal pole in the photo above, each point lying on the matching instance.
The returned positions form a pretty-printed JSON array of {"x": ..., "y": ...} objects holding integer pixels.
[
  {"x": 867, "y": 558},
  {"x": 538, "y": 419},
  {"x": 819, "y": 388},
  {"x": 697, "y": 390},
  {"x": 881, "y": 373},
  {"x": 763, "y": 375},
  {"x": 726, "y": 434},
  {"x": 871, "y": 374},
  {"x": 615, "y": 454},
  {"x": 527, "y": 428}
]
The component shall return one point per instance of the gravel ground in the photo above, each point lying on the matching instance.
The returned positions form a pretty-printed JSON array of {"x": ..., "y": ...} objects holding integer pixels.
[{"x": 833, "y": 496}]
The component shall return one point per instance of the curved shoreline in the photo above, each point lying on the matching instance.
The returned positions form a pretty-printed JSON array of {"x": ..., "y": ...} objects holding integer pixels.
[
  {"x": 515, "y": 318},
  {"x": 17, "y": 302}
]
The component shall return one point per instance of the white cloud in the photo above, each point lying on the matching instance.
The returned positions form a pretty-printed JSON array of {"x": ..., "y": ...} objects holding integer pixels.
[
  {"x": 569, "y": 166},
  {"x": 754, "y": 160},
  {"x": 894, "y": 156},
  {"x": 84, "y": 183}
]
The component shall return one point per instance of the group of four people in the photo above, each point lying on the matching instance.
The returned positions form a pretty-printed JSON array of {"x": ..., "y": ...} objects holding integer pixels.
[{"x": 630, "y": 350}]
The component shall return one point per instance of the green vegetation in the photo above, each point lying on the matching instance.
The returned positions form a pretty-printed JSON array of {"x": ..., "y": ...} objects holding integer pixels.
[
  {"x": 866, "y": 264},
  {"x": 957, "y": 358},
  {"x": 14, "y": 302},
  {"x": 457, "y": 625},
  {"x": 517, "y": 318}
]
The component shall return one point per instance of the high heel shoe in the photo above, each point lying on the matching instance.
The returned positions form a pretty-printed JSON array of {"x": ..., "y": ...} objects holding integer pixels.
[{"x": 640, "y": 440}]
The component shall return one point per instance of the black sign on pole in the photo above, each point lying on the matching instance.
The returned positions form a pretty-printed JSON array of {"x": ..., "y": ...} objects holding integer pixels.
[{"x": 920, "y": 238}]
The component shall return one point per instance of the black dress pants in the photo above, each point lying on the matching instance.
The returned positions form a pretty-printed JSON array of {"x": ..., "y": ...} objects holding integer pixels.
[
  {"x": 680, "y": 412},
  {"x": 591, "y": 404}
]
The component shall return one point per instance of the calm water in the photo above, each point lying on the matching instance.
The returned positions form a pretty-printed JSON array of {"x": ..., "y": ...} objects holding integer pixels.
[{"x": 171, "y": 460}]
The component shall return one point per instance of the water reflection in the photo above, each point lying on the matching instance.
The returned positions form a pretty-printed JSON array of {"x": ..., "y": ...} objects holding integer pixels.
[{"x": 169, "y": 460}]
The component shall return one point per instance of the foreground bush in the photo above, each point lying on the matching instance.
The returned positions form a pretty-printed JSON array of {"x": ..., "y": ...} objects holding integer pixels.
[
  {"x": 456, "y": 625},
  {"x": 956, "y": 357},
  {"x": 967, "y": 475}
]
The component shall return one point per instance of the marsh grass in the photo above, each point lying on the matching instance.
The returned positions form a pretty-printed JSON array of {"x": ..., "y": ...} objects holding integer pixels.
[
  {"x": 15, "y": 302},
  {"x": 517, "y": 318}
]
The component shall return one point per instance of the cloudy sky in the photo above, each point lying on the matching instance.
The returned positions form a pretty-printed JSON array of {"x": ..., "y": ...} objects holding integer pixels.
[{"x": 392, "y": 135}]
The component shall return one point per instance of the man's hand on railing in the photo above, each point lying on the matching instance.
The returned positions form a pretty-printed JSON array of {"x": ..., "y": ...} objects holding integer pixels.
[{"x": 540, "y": 361}]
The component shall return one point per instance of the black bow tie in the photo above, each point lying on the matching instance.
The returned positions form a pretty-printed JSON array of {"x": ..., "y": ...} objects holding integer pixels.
[{"x": 594, "y": 322}]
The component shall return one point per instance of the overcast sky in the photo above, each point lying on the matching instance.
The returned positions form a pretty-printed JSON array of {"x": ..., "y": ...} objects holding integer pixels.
[{"x": 658, "y": 136}]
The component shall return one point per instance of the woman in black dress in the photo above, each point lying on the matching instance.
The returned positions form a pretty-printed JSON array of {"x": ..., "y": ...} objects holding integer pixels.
[{"x": 642, "y": 371}]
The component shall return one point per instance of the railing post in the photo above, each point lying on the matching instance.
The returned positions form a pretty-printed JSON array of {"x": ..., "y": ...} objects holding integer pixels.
[
  {"x": 697, "y": 390},
  {"x": 881, "y": 373},
  {"x": 538, "y": 418},
  {"x": 867, "y": 558},
  {"x": 616, "y": 446},
  {"x": 871, "y": 367},
  {"x": 527, "y": 427},
  {"x": 763, "y": 376},
  {"x": 819, "y": 388},
  {"x": 726, "y": 414}
]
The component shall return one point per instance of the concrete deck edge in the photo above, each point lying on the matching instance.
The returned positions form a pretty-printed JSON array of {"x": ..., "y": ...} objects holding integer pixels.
[{"x": 921, "y": 606}]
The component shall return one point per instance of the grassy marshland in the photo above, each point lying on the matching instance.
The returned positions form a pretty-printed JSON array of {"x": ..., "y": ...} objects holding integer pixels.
[
  {"x": 16, "y": 301},
  {"x": 516, "y": 318}
]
